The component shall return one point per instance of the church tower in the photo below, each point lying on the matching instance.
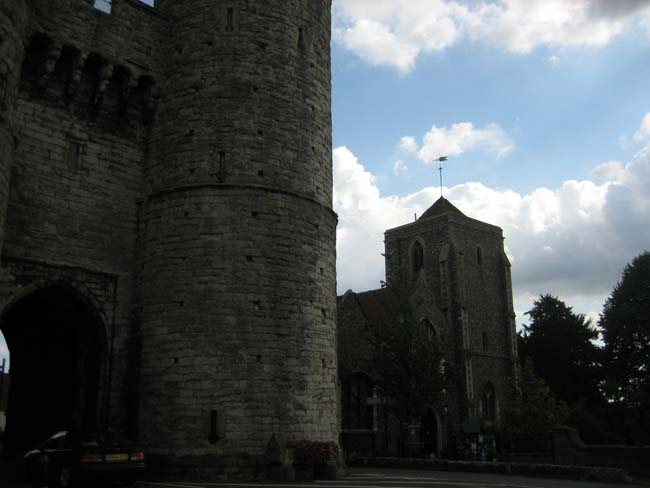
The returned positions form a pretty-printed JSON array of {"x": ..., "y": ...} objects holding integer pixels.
[{"x": 461, "y": 264}]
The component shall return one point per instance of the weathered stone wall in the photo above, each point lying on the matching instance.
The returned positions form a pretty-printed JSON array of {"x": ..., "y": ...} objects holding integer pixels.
[
  {"x": 133, "y": 33},
  {"x": 13, "y": 22},
  {"x": 485, "y": 302},
  {"x": 568, "y": 448},
  {"x": 77, "y": 165}
]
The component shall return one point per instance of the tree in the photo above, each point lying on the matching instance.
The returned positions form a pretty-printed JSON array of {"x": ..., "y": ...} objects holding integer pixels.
[
  {"x": 534, "y": 410},
  {"x": 625, "y": 322},
  {"x": 406, "y": 357},
  {"x": 559, "y": 344}
]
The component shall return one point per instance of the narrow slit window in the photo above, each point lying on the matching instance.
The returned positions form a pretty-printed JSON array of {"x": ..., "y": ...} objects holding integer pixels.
[
  {"x": 3, "y": 88},
  {"x": 73, "y": 154},
  {"x": 230, "y": 19}
]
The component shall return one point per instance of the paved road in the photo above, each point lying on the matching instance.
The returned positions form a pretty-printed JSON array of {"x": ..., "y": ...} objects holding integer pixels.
[{"x": 394, "y": 478}]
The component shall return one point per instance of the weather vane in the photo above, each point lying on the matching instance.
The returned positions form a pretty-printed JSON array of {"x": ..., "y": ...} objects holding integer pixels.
[{"x": 440, "y": 160}]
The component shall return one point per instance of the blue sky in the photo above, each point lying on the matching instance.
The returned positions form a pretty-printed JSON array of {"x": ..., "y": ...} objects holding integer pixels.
[
  {"x": 541, "y": 107},
  {"x": 564, "y": 113}
]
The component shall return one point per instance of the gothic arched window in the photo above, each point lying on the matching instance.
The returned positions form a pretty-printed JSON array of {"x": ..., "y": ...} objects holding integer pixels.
[
  {"x": 488, "y": 405},
  {"x": 417, "y": 256},
  {"x": 428, "y": 329}
]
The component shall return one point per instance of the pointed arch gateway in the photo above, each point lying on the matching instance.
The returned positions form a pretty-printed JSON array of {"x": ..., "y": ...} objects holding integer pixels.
[
  {"x": 431, "y": 432},
  {"x": 58, "y": 348}
]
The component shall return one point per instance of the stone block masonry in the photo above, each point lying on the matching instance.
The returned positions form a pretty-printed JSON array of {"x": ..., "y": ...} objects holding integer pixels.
[{"x": 182, "y": 154}]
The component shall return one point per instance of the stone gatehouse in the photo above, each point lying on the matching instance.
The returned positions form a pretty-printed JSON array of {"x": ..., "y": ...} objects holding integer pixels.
[{"x": 166, "y": 227}]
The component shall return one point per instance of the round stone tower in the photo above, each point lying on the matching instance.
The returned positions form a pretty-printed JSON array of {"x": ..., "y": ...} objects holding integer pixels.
[{"x": 236, "y": 290}]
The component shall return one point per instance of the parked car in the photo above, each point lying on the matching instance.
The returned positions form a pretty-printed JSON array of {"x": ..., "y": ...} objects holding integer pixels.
[{"x": 64, "y": 460}]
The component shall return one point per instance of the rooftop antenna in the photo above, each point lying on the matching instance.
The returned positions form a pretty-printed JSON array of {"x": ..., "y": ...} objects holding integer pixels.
[{"x": 440, "y": 160}]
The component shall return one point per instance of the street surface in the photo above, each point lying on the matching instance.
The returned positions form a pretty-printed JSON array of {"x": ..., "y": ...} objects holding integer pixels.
[{"x": 401, "y": 478}]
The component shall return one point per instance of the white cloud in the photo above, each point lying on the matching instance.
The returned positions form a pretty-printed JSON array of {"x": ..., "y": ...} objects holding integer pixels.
[
  {"x": 395, "y": 32},
  {"x": 462, "y": 137},
  {"x": 377, "y": 45},
  {"x": 408, "y": 144},
  {"x": 572, "y": 241},
  {"x": 399, "y": 167},
  {"x": 607, "y": 171},
  {"x": 644, "y": 129}
]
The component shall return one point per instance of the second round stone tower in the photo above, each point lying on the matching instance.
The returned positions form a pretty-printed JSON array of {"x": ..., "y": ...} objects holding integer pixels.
[{"x": 235, "y": 295}]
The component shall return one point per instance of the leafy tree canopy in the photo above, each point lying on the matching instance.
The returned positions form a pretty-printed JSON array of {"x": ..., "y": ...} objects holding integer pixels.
[
  {"x": 625, "y": 322},
  {"x": 406, "y": 356},
  {"x": 535, "y": 410},
  {"x": 558, "y": 342}
]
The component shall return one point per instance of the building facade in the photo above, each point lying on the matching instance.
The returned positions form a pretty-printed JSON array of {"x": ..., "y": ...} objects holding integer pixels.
[
  {"x": 167, "y": 232},
  {"x": 456, "y": 275}
]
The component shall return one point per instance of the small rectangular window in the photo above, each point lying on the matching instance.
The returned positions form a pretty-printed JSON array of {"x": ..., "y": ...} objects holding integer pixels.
[
  {"x": 485, "y": 342},
  {"x": 73, "y": 154},
  {"x": 3, "y": 91}
]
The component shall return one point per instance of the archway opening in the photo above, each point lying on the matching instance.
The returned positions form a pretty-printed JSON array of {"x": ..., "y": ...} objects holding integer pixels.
[
  {"x": 57, "y": 344},
  {"x": 430, "y": 432}
]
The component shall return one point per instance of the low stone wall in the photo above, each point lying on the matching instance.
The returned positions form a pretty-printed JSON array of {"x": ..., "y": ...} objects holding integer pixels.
[
  {"x": 570, "y": 449},
  {"x": 523, "y": 469}
]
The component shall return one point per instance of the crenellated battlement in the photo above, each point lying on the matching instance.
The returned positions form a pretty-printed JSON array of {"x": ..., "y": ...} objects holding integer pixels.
[{"x": 92, "y": 87}]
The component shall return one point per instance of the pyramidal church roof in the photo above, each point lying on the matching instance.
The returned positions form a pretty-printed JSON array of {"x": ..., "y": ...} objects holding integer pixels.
[{"x": 440, "y": 207}]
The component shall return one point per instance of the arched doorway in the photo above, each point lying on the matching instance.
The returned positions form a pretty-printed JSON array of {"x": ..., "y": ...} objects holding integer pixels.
[
  {"x": 57, "y": 344},
  {"x": 431, "y": 432}
]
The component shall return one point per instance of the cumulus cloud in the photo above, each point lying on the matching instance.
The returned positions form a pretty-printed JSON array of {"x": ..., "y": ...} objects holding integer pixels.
[
  {"x": 408, "y": 144},
  {"x": 395, "y": 32},
  {"x": 457, "y": 139},
  {"x": 572, "y": 241},
  {"x": 607, "y": 171},
  {"x": 376, "y": 44},
  {"x": 644, "y": 129}
]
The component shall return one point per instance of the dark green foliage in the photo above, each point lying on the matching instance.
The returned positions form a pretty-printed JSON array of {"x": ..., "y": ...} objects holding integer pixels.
[
  {"x": 559, "y": 345},
  {"x": 592, "y": 422},
  {"x": 534, "y": 410},
  {"x": 625, "y": 322},
  {"x": 407, "y": 362}
]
